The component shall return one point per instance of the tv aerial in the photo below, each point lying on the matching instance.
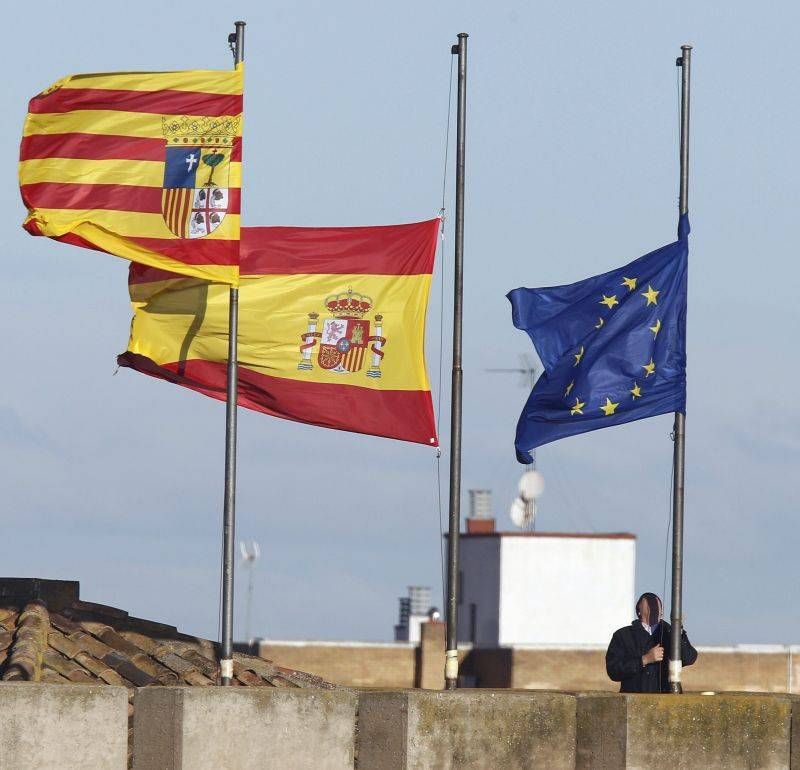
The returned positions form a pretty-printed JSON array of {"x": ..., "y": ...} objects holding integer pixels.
[
  {"x": 527, "y": 370},
  {"x": 250, "y": 555}
]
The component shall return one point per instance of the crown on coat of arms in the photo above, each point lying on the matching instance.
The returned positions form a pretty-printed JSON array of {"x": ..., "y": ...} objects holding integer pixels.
[
  {"x": 201, "y": 130},
  {"x": 348, "y": 304}
]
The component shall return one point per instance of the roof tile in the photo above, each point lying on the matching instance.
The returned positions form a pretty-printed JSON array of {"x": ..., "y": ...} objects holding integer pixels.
[
  {"x": 62, "y": 644},
  {"x": 101, "y": 670},
  {"x": 126, "y": 668},
  {"x": 92, "y": 643}
]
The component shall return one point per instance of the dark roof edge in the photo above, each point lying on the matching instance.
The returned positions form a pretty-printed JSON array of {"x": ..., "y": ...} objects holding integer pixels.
[{"x": 56, "y": 594}]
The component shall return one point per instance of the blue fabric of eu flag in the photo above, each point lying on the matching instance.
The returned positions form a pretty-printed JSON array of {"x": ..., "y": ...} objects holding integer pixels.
[{"x": 613, "y": 347}]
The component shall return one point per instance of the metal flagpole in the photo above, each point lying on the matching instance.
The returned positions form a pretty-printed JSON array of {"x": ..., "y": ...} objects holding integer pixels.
[
  {"x": 229, "y": 511},
  {"x": 679, "y": 430},
  {"x": 451, "y": 659}
]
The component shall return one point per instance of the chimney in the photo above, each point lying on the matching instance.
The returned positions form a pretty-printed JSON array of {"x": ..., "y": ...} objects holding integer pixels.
[{"x": 480, "y": 520}]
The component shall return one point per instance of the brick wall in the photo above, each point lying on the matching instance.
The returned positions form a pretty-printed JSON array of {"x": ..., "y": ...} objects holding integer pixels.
[
  {"x": 348, "y": 663},
  {"x": 731, "y": 669}
]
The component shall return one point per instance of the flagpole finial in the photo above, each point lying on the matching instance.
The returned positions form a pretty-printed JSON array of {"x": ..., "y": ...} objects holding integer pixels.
[{"x": 462, "y": 38}]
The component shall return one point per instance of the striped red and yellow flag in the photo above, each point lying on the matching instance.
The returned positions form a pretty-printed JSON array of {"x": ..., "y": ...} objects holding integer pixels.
[
  {"x": 146, "y": 166},
  {"x": 331, "y": 327}
]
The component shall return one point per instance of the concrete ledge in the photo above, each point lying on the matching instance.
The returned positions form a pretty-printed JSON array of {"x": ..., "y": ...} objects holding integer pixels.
[
  {"x": 715, "y": 732},
  {"x": 477, "y": 729},
  {"x": 70, "y": 727},
  {"x": 208, "y": 728}
]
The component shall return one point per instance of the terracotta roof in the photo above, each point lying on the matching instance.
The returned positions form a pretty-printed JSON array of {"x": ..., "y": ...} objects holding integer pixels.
[{"x": 48, "y": 634}]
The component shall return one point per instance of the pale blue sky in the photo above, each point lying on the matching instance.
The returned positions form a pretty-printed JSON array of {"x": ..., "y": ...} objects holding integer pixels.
[{"x": 116, "y": 481}]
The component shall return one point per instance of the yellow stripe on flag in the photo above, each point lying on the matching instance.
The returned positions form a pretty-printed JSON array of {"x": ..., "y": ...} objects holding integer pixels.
[
  {"x": 181, "y": 319},
  {"x": 105, "y": 122},
  {"x": 126, "y": 224},
  {"x": 142, "y": 173},
  {"x": 206, "y": 81}
]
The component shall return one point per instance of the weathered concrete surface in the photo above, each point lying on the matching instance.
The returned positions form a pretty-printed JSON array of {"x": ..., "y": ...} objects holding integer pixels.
[
  {"x": 795, "y": 729},
  {"x": 427, "y": 730},
  {"x": 45, "y": 726},
  {"x": 714, "y": 732},
  {"x": 430, "y": 670},
  {"x": 208, "y": 728}
]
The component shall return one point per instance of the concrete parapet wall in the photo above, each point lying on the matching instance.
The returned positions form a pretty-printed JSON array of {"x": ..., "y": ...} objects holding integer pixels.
[
  {"x": 208, "y": 728},
  {"x": 44, "y": 726},
  {"x": 427, "y": 730},
  {"x": 719, "y": 732},
  {"x": 68, "y": 727}
]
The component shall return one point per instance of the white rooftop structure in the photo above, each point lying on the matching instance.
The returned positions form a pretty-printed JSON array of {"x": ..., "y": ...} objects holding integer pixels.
[{"x": 543, "y": 587}]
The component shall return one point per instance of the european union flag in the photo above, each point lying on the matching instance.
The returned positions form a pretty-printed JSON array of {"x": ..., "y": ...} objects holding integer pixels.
[{"x": 613, "y": 347}]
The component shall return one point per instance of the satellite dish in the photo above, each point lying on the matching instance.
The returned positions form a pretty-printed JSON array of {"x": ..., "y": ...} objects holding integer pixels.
[
  {"x": 251, "y": 554},
  {"x": 523, "y": 513},
  {"x": 531, "y": 486},
  {"x": 517, "y": 513}
]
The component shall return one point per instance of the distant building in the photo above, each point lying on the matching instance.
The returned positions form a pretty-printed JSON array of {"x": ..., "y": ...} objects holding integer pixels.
[
  {"x": 415, "y": 609},
  {"x": 526, "y": 587}
]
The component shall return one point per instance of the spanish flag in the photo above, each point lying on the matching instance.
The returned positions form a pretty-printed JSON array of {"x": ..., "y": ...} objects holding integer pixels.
[
  {"x": 146, "y": 166},
  {"x": 331, "y": 327}
]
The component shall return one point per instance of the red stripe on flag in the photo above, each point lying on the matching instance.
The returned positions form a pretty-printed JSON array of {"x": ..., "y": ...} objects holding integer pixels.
[
  {"x": 90, "y": 147},
  {"x": 197, "y": 251},
  {"x": 406, "y": 415},
  {"x": 73, "y": 240},
  {"x": 139, "y": 273},
  {"x": 186, "y": 211},
  {"x": 386, "y": 250},
  {"x": 182, "y": 199},
  {"x": 100, "y": 147},
  {"x": 111, "y": 197},
  {"x": 189, "y": 252},
  {"x": 162, "y": 102},
  {"x": 169, "y": 210}
]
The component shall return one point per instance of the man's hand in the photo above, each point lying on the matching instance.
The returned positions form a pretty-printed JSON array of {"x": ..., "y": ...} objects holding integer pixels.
[{"x": 654, "y": 655}]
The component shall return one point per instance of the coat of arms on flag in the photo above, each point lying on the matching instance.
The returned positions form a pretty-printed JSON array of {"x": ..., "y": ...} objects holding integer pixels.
[
  {"x": 198, "y": 155},
  {"x": 345, "y": 336}
]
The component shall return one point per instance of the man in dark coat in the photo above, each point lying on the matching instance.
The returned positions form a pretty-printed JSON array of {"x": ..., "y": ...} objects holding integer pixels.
[{"x": 635, "y": 656}]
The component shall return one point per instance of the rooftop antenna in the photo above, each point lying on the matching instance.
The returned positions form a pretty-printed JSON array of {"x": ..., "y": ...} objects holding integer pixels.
[
  {"x": 527, "y": 368},
  {"x": 529, "y": 372},
  {"x": 249, "y": 557}
]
